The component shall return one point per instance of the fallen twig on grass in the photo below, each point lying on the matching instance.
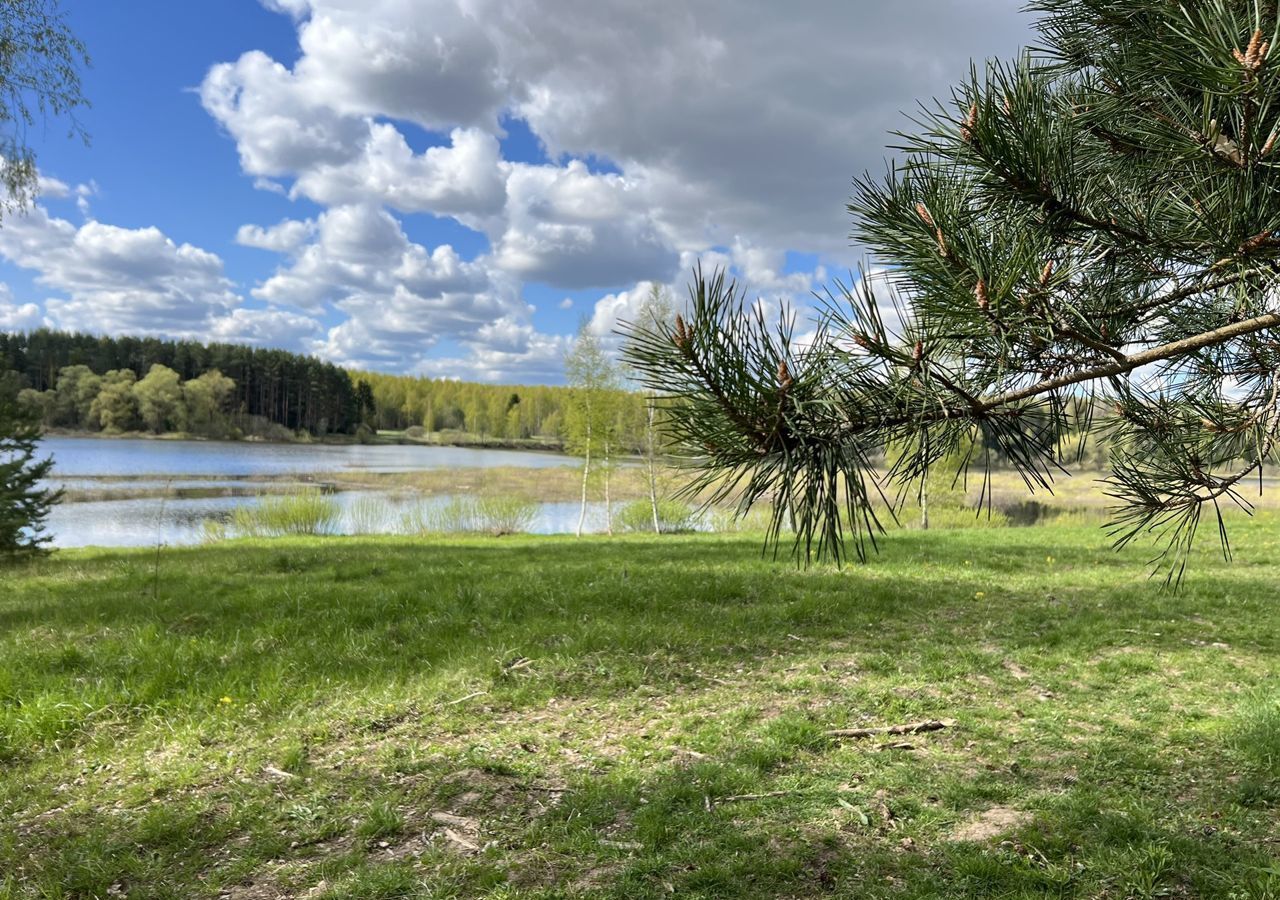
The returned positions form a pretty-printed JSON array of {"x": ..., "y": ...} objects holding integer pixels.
[
  {"x": 470, "y": 696},
  {"x": 738, "y": 798},
  {"x": 913, "y": 728}
]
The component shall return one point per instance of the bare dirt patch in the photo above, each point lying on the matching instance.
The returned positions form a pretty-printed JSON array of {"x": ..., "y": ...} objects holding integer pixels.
[{"x": 990, "y": 824}]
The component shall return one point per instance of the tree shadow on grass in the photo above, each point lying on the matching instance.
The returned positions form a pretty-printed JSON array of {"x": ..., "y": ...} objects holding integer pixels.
[
  {"x": 1116, "y": 830},
  {"x": 1131, "y": 825},
  {"x": 367, "y": 613},
  {"x": 282, "y": 628}
]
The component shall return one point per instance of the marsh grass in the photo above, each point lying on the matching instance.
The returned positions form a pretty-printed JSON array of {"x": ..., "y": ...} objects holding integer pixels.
[
  {"x": 308, "y": 512},
  {"x": 674, "y": 517},
  {"x": 370, "y": 514},
  {"x": 504, "y": 514},
  {"x": 467, "y": 514},
  {"x": 558, "y": 718}
]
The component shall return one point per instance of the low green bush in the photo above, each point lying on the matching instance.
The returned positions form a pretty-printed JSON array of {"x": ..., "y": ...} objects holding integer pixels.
[
  {"x": 504, "y": 515},
  {"x": 674, "y": 517},
  {"x": 729, "y": 521}
]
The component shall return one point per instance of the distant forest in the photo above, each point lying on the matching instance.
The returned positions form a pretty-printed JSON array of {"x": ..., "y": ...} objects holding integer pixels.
[
  {"x": 299, "y": 393},
  {"x": 490, "y": 411},
  {"x": 272, "y": 391}
]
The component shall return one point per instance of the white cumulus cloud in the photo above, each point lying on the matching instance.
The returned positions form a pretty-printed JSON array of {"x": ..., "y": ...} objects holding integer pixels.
[
  {"x": 116, "y": 279},
  {"x": 724, "y": 131}
]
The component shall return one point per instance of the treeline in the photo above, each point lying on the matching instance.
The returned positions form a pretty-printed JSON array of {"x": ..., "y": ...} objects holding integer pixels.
[
  {"x": 295, "y": 392},
  {"x": 275, "y": 393},
  {"x": 119, "y": 401},
  {"x": 491, "y": 411}
]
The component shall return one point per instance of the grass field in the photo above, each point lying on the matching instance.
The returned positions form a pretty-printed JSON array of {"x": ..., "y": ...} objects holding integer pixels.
[{"x": 640, "y": 718}]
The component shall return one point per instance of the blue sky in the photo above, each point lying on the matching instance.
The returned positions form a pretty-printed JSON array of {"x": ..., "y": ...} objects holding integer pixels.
[{"x": 450, "y": 186}]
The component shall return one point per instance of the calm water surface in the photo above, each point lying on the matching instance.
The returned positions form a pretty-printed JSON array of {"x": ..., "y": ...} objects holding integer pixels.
[
  {"x": 147, "y": 522},
  {"x": 131, "y": 457},
  {"x": 135, "y": 463}
]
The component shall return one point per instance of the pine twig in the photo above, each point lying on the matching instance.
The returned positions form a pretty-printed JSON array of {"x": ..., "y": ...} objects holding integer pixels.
[{"x": 913, "y": 728}]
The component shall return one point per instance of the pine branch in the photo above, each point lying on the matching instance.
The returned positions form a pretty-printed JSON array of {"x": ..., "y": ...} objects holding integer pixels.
[
  {"x": 1104, "y": 206},
  {"x": 1127, "y": 364}
]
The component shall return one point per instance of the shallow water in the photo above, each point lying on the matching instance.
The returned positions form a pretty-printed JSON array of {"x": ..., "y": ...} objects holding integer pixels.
[
  {"x": 150, "y": 521},
  {"x": 105, "y": 465}
]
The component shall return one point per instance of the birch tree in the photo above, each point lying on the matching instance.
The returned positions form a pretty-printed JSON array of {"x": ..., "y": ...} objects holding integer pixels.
[
  {"x": 657, "y": 309},
  {"x": 591, "y": 423}
]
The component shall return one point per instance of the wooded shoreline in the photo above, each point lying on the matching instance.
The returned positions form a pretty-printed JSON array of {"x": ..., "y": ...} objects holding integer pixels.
[{"x": 387, "y": 438}]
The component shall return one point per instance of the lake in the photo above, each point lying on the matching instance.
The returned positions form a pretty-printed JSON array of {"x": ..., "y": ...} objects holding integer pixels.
[
  {"x": 133, "y": 457},
  {"x": 146, "y": 522},
  {"x": 129, "y": 464}
]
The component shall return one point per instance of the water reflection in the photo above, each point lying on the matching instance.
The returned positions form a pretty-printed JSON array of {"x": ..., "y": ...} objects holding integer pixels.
[
  {"x": 202, "y": 482},
  {"x": 176, "y": 521},
  {"x": 132, "y": 457}
]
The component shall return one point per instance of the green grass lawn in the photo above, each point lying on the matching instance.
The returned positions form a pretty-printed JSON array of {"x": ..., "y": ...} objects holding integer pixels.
[{"x": 640, "y": 717}]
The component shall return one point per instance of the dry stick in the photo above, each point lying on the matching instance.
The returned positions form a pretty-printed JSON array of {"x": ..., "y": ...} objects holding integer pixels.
[
  {"x": 155, "y": 569},
  {"x": 914, "y": 728},
  {"x": 445, "y": 818},
  {"x": 470, "y": 696},
  {"x": 742, "y": 797}
]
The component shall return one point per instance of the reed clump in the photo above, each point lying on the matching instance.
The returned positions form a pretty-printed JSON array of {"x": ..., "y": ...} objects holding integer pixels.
[
  {"x": 485, "y": 514},
  {"x": 307, "y": 512}
]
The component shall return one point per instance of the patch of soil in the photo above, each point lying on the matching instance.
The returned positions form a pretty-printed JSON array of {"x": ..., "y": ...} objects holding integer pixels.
[
  {"x": 1016, "y": 670},
  {"x": 991, "y": 823}
]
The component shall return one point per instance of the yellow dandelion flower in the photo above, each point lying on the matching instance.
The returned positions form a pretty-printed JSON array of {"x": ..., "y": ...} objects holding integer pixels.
[
  {"x": 226, "y": 700},
  {"x": 979, "y": 595}
]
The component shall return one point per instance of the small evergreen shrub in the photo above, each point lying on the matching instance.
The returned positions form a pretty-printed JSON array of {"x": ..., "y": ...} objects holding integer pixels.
[{"x": 25, "y": 500}]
